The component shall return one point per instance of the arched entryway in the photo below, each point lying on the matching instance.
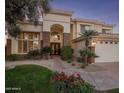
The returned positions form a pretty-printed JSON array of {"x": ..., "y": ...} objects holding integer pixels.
[{"x": 56, "y": 38}]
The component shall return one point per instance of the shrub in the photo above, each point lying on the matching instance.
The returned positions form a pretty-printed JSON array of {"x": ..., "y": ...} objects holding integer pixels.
[
  {"x": 86, "y": 54},
  {"x": 14, "y": 57},
  {"x": 79, "y": 59},
  {"x": 66, "y": 52},
  {"x": 33, "y": 53},
  {"x": 70, "y": 84},
  {"x": 69, "y": 61},
  {"x": 46, "y": 50}
]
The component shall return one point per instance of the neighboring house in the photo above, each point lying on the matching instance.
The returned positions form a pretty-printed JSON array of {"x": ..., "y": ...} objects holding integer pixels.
[{"x": 59, "y": 29}]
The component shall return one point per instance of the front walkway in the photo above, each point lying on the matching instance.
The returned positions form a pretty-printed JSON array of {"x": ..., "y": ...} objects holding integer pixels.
[{"x": 103, "y": 76}]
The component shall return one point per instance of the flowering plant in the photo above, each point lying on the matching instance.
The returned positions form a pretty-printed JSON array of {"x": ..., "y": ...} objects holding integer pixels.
[{"x": 70, "y": 84}]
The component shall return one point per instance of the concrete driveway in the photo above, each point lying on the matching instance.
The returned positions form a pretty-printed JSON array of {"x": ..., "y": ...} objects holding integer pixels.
[{"x": 103, "y": 76}]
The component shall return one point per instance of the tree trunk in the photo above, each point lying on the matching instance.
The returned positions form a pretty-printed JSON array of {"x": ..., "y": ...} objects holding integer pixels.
[{"x": 87, "y": 43}]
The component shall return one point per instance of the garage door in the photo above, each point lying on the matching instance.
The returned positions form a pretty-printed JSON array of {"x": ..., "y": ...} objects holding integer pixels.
[{"x": 107, "y": 51}]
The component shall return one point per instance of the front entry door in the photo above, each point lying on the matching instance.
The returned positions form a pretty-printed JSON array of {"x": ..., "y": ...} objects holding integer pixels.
[{"x": 55, "y": 48}]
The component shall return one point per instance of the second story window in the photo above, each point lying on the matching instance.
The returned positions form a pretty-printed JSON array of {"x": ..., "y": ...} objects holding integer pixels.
[{"x": 84, "y": 27}]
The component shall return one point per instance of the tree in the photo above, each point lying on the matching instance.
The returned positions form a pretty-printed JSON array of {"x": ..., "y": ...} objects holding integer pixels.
[
  {"x": 18, "y": 10},
  {"x": 87, "y": 36}
]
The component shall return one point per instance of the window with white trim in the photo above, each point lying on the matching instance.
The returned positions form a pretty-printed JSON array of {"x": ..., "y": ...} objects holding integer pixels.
[
  {"x": 28, "y": 41},
  {"x": 84, "y": 27}
]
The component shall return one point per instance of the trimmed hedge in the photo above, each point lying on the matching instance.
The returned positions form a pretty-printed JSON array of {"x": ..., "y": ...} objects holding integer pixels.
[
  {"x": 14, "y": 57},
  {"x": 33, "y": 53}
]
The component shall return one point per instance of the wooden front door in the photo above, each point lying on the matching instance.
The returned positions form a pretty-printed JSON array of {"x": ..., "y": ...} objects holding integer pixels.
[{"x": 55, "y": 48}]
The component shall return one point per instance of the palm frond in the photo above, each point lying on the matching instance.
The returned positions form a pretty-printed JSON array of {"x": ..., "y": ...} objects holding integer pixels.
[{"x": 88, "y": 33}]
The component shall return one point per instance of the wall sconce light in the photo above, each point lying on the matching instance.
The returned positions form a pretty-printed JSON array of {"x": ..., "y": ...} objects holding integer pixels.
[
  {"x": 93, "y": 43},
  {"x": 55, "y": 36}
]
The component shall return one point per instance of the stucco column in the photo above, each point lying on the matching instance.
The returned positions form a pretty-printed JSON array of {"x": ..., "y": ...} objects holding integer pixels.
[
  {"x": 46, "y": 39},
  {"x": 66, "y": 39}
]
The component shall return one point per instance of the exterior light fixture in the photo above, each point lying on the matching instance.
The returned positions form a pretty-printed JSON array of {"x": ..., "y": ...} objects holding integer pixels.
[
  {"x": 55, "y": 36},
  {"x": 93, "y": 43}
]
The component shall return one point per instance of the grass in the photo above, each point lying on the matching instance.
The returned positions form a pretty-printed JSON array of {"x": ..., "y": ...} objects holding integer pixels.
[
  {"x": 116, "y": 90},
  {"x": 29, "y": 78},
  {"x": 113, "y": 91}
]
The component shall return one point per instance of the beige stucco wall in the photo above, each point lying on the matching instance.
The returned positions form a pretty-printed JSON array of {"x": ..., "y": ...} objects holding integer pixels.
[
  {"x": 30, "y": 27},
  {"x": 14, "y": 46},
  {"x": 107, "y": 27},
  {"x": 56, "y": 17},
  {"x": 95, "y": 27},
  {"x": 47, "y": 25},
  {"x": 107, "y": 52},
  {"x": 98, "y": 28},
  {"x": 51, "y": 19},
  {"x": 78, "y": 28},
  {"x": 78, "y": 46}
]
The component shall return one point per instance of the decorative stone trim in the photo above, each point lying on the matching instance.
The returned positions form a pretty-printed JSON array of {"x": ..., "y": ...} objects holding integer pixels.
[
  {"x": 66, "y": 38},
  {"x": 46, "y": 39}
]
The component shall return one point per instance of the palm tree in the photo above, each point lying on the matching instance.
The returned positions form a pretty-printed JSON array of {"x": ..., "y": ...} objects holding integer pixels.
[
  {"x": 18, "y": 10},
  {"x": 87, "y": 36}
]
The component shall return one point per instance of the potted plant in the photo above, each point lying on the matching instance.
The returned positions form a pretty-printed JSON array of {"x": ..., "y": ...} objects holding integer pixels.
[
  {"x": 91, "y": 56},
  {"x": 86, "y": 55}
]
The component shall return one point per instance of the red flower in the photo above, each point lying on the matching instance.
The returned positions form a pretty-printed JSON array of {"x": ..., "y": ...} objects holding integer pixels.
[
  {"x": 62, "y": 72},
  {"x": 78, "y": 74}
]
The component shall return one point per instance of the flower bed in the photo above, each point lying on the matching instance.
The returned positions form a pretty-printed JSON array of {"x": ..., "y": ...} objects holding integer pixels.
[{"x": 70, "y": 84}]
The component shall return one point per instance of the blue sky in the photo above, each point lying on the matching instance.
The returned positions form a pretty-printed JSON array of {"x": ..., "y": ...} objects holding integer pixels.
[{"x": 104, "y": 10}]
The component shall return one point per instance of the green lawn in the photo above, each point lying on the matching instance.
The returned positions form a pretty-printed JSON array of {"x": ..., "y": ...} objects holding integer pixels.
[
  {"x": 113, "y": 91},
  {"x": 108, "y": 91},
  {"x": 29, "y": 78}
]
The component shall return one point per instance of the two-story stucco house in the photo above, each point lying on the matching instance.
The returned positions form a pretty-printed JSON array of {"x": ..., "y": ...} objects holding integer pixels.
[{"x": 58, "y": 29}]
